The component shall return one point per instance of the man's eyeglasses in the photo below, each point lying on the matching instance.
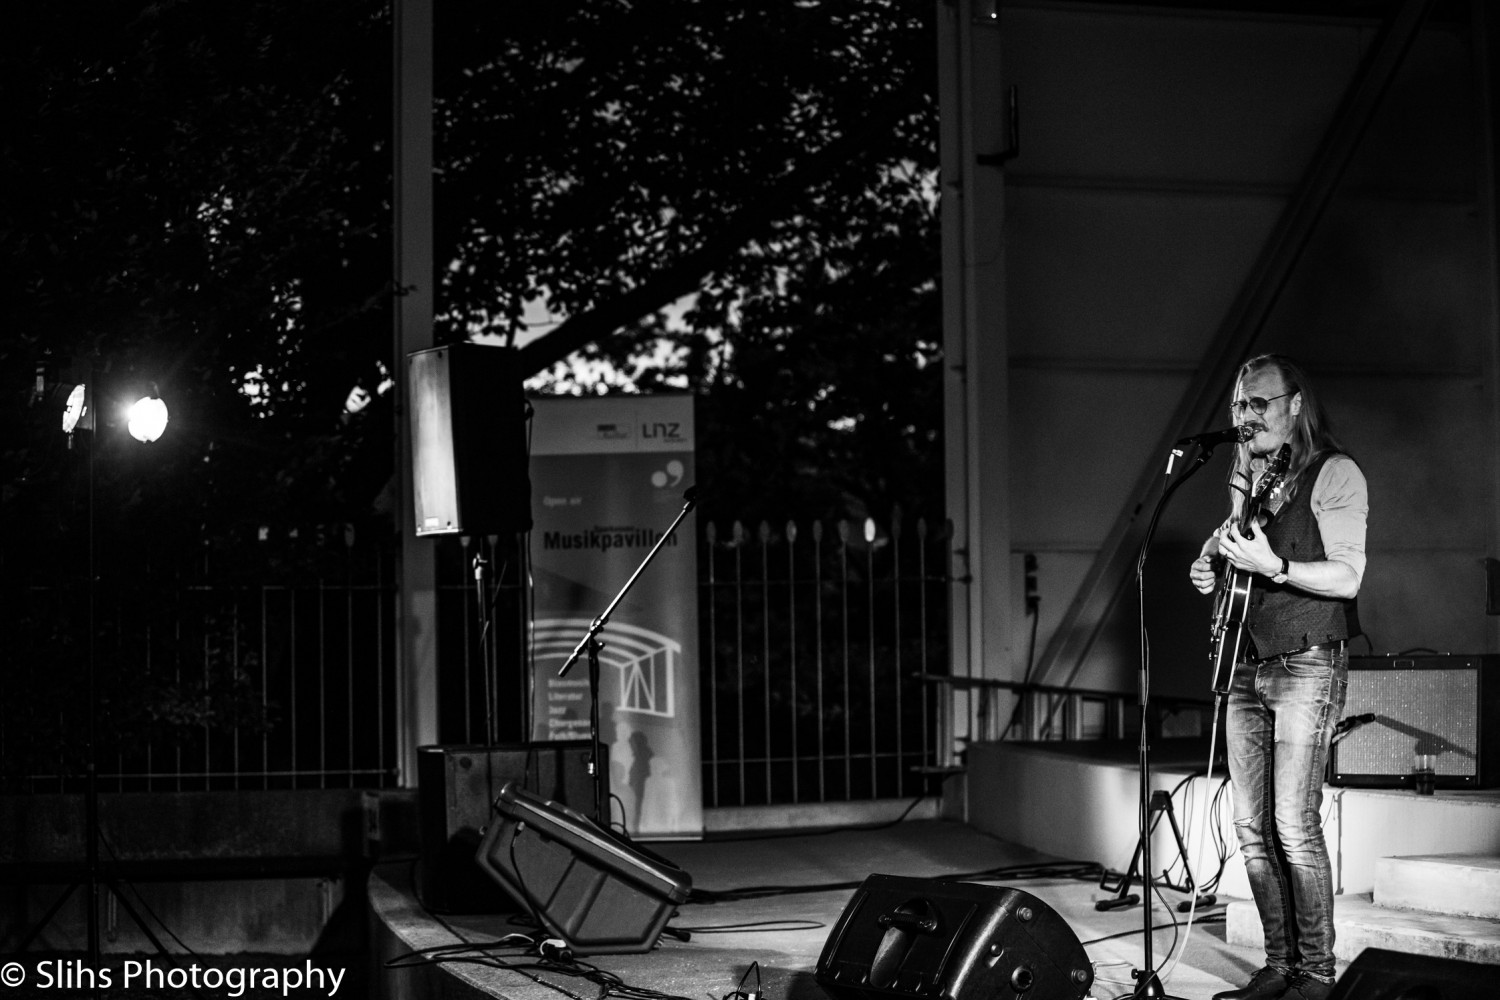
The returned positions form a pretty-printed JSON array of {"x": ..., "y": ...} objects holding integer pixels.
[{"x": 1256, "y": 403}]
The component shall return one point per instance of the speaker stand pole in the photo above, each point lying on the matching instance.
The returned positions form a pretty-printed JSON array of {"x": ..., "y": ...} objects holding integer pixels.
[
  {"x": 596, "y": 747},
  {"x": 590, "y": 645},
  {"x": 486, "y": 654},
  {"x": 1148, "y": 985}
]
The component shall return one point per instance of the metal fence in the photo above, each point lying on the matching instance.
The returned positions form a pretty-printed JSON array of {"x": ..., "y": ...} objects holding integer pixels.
[
  {"x": 193, "y": 677},
  {"x": 813, "y": 639}
]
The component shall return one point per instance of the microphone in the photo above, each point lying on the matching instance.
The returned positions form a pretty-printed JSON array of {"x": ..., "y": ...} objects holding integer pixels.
[
  {"x": 1353, "y": 722},
  {"x": 1244, "y": 432},
  {"x": 1349, "y": 725}
]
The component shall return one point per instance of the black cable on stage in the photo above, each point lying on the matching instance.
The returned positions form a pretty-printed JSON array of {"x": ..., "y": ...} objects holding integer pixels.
[
  {"x": 1086, "y": 870},
  {"x": 1199, "y": 889},
  {"x": 457, "y": 954},
  {"x": 739, "y": 991},
  {"x": 1176, "y": 926},
  {"x": 789, "y": 924},
  {"x": 553, "y": 956},
  {"x": 1212, "y": 918}
]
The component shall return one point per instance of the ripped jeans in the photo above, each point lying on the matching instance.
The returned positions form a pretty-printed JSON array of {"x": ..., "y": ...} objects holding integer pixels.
[{"x": 1280, "y": 718}]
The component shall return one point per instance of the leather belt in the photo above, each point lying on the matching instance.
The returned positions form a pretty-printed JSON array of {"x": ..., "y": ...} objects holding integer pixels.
[{"x": 1335, "y": 646}]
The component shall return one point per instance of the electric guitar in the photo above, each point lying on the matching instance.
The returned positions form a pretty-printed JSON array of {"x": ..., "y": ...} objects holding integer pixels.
[{"x": 1232, "y": 599}]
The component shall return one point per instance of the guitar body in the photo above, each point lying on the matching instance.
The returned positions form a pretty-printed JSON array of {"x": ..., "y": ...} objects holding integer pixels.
[
  {"x": 1231, "y": 613},
  {"x": 1232, "y": 599}
]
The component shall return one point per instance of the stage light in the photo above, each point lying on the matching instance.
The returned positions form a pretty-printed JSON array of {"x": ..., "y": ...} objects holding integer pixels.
[
  {"x": 148, "y": 418},
  {"x": 75, "y": 409}
]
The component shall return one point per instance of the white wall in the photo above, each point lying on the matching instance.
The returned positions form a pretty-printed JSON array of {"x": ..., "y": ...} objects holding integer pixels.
[{"x": 1158, "y": 149}]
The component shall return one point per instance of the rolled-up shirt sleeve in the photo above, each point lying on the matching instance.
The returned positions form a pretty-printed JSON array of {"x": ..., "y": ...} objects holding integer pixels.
[{"x": 1341, "y": 503}]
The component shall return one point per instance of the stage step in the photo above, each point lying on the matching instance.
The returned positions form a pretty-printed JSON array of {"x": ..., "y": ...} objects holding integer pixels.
[
  {"x": 1446, "y": 905},
  {"x": 1359, "y": 924},
  {"x": 1461, "y": 885}
]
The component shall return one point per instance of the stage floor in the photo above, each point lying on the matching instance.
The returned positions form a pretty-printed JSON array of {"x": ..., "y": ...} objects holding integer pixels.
[{"x": 784, "y": 933}]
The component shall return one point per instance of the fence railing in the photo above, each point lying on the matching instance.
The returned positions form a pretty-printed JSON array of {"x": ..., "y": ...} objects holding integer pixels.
[
  {"x": 814, "y": 639},
  {"x": 194, "y": 680}
]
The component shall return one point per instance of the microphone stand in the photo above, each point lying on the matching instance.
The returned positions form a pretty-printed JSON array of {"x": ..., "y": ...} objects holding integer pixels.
[
  {"x": 1147, "y": 983},
  {"x": 590, "y": 645}
]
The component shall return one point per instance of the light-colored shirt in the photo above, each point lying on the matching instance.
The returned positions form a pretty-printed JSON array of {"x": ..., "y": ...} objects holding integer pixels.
[{"x": 1341, "y": 503}]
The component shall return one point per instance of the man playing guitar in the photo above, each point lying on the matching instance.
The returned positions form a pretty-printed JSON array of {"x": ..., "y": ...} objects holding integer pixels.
[{"x": 1286, "y": 692}]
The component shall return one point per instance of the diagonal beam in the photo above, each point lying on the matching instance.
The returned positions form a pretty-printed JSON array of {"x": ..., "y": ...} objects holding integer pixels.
[{"x": 1113, "y": 568}]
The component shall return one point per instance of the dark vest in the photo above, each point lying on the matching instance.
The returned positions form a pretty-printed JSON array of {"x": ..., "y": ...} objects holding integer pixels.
[{"x": 1281, "y": 618}]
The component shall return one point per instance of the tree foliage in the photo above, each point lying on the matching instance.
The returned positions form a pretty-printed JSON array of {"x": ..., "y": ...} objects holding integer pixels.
[{"x": 206, "y": 208}]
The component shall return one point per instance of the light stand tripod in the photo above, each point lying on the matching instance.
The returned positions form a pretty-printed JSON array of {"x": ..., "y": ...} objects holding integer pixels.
[
  {"x": 1147, "y": 983},
  {"x": 590, "y": 645},
  {"x": 93, "y": 879}
]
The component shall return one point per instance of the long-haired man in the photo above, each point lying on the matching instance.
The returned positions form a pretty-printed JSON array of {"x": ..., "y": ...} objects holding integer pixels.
[{"x": 1287, "y": 689}]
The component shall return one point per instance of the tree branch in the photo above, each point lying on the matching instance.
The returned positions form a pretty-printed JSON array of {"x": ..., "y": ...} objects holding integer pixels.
[{"x": 776, "y": 201}]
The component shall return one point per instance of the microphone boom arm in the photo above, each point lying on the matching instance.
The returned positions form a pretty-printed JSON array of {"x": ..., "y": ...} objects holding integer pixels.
[{"x": 690, "y": 496}]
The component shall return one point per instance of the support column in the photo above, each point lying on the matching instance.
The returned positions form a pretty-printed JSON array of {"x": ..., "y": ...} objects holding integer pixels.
[
  {"x": 413, "y": 275},
  {"x": 976, "y": 392},
  {"x": 1485, "y": 26}
]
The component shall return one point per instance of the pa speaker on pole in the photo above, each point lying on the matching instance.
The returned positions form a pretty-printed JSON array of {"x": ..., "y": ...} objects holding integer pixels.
[
  {"x": 919, "y": 938},
  {"x": 468, "y": 421}
]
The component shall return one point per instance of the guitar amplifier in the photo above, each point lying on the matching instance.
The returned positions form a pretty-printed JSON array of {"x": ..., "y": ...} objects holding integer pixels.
[{"x": 1444, "y": 705}]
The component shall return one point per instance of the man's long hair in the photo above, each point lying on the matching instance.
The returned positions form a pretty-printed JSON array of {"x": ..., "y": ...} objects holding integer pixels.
[{"x": 1311, "y": 437}]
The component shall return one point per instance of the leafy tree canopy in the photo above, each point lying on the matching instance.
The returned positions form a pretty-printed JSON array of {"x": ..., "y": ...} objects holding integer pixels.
[{"x": 201, "y": 200}]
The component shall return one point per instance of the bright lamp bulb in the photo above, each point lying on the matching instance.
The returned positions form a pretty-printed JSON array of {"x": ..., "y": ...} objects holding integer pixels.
[{"x": 148, "y": 418}]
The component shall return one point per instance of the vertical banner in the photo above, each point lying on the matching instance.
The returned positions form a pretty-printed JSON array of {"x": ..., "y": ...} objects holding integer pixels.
[{"x": 608, "y": 480}]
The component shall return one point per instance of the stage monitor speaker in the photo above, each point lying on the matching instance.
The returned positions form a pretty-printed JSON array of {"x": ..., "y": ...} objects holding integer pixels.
[
  {"x": 468, "y": 433},
  {"x": 911, "y": 937},
  {"x": 1438, "y": 704},
  {"x": 455, "y": 788},
  {"x": 1378, "y": 974},
  {"x": 600, "y": 894}
]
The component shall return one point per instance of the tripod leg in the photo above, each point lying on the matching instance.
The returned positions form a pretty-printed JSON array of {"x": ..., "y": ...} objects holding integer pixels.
[
  {"x": 1182, "y": 851},
  {"x": 1123, "y": 896},
  {"x": 1190, "y": 884}
]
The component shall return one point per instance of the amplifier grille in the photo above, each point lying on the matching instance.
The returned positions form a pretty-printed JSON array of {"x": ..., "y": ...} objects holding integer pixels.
[
  {"x": 1416, "y": 711},
  {"x": 1433, "y": 705}
]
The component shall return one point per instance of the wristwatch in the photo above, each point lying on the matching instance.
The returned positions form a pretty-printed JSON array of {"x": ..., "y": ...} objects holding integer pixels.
[{"x": 1286, "y": 569}]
